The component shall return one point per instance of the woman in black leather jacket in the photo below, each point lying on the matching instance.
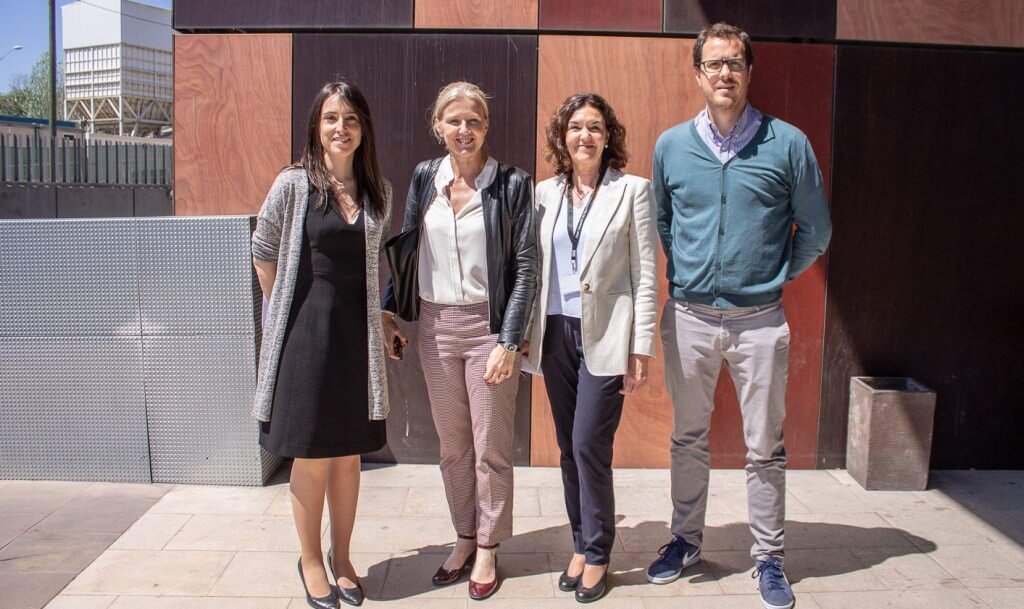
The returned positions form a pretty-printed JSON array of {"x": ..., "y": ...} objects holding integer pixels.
[{"x": 472, "y": 287}]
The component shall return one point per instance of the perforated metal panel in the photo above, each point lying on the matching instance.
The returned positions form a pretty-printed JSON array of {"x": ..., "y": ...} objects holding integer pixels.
[
  {"x": 199, "y": 390},
  {"x": 68, "y": 278},
  {"x": 196, "y": 275},
  {"x": 72, "y": 408},
  {"x": 84, "y": 396}
]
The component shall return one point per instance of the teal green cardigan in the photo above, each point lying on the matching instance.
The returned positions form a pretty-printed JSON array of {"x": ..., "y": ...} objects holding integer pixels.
[{"x": 727, "y": 229}]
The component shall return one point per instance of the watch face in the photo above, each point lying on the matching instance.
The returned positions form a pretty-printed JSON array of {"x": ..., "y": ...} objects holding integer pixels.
[{"x": 511, "y": 348}]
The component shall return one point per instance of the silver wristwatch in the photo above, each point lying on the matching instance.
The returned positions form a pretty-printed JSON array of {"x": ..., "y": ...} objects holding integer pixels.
[{"x": 510, "y": 347}]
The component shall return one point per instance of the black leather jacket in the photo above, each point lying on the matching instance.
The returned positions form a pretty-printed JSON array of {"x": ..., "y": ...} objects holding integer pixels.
[{"x": 511, "y": 245}]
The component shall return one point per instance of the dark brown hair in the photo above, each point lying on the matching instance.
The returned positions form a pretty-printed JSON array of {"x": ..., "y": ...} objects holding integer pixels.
[
  {"x": 722, "y": 30},
  {"x": 367, "y": 170},
  {"x": 555, "y": 152}
]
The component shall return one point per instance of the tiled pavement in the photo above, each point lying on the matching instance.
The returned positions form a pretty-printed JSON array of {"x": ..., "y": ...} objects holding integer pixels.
[
  {"x": 50, "y": 531},
  {"x": 960, "y": 544}
]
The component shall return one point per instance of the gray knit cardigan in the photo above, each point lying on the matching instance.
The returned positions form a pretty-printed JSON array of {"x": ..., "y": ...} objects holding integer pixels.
[{"x": 278, "y": 238}]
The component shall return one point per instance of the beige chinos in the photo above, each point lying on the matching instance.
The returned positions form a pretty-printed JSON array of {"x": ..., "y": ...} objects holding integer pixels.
[{"x": 754, "y": 344}]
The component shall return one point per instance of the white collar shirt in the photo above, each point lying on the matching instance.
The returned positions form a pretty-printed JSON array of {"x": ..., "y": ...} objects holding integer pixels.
[{"x": 453, "y": 247}]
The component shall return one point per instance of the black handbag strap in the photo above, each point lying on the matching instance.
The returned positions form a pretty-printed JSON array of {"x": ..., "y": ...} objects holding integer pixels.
[{"x": 426, "y": 187}]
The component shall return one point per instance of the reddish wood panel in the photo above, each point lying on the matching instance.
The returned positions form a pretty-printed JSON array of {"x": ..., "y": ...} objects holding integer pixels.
[
  {"x": 650, "y": 91},
  {"x": 641, "y": 79},
  {"x": 232, "y": 120},
  {"x": 279, "y": 15},
  {"x": 970, "y": 22},
  {"x": 506, "y": 15},
  {"x": 601, "y": 15},
  {"x": 790, "y": 19}
]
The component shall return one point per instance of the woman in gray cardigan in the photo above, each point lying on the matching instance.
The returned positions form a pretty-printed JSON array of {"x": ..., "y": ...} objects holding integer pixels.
[{"x": 321, "y": 395}]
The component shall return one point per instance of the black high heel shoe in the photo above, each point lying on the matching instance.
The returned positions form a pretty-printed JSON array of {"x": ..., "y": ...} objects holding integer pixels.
[
  {"x": 566, "y": 583},
  {"x": 589, "y": 595},
  {"x": 324, "y": 602},
  {"x": 349, "y": 596}
]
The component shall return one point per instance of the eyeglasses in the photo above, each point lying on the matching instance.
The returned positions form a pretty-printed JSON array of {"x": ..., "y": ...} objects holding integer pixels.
[{"x": 714, "y": 66}]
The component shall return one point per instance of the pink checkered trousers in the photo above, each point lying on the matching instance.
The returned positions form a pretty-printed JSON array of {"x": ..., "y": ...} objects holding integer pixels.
[{"x": 474, "y": 420}]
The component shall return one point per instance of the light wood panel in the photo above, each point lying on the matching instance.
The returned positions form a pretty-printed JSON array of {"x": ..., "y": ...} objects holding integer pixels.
[
  {"x": 232, "y": 120},
  {"x": 968, "y": 22},
  {"x": 652, "y": 87},
  {"x": 648, "y": 83},
  {"x": 506, "y": 15},
  {"x": 601, "y": 15}
]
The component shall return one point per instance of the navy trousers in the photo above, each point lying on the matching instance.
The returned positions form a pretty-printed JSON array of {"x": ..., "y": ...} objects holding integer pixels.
[{"x": 586, "y": 411}]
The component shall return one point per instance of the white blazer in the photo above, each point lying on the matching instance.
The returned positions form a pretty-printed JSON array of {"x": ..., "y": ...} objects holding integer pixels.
[{"x": 618, "y": 272}]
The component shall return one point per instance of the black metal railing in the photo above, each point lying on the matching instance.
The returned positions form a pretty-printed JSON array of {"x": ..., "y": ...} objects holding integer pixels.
[{"x": 26, "y": 158}]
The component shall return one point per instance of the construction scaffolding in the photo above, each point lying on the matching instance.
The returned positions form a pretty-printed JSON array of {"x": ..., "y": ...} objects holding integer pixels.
[{"x": 118, "y": 66}]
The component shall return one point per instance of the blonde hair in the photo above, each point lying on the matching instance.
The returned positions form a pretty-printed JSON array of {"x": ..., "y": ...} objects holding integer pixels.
[{"x": 453, "y": 92}]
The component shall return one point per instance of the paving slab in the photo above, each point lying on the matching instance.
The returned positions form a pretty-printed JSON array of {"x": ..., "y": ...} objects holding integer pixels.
[
  {"x": 953, "y": 545},
  {"x": 23, "y": 592},
  {"x": 151, "y": 573},
  {"x": 32, "y": 497}
]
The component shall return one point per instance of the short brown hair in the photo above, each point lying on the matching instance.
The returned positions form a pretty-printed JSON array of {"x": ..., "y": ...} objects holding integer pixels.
[
  {"x": 722, "y": 30},
  {"x": 555, "y": 152}
]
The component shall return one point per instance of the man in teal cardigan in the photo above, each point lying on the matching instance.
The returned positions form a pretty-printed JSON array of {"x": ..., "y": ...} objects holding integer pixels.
[{"x": 730, "y": 185}]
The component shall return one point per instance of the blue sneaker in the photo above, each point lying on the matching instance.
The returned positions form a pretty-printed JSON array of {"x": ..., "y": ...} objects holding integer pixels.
[
  {"x": 674, "y": 556},
  {"x": 776, "y": 592}
]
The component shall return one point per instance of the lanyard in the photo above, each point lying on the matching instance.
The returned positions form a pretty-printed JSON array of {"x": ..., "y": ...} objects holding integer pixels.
[{"x": 576, "y": 231}]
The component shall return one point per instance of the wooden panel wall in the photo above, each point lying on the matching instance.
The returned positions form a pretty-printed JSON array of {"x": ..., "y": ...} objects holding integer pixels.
[
  {"x": 926, "y": 271},
  {"x": 641, "y": 79},
  {"x": 291, "y": 14},
  {"x": 602, "y": 15},
  {"x": 792, "y": 82},
  {"x": 790, "y": 19},
  {"x": 652, "y": 95},
  {"x": 232, "y": 118},
  {"x": 506, "y": 15},
  {"x": 400, "y": 74},
  {"x": 968, "y": 22}
]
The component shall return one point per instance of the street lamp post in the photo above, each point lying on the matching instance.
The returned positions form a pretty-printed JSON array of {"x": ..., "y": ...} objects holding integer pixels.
[{"x": 16, "y": 47}]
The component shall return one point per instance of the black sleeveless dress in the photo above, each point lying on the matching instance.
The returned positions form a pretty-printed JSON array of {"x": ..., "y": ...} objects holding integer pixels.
[{"x": 321, "y": 397}]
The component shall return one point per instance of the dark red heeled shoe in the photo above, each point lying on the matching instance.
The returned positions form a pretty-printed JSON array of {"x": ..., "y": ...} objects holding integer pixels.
[
  {"x": 444, "y": 577},
  {"x": 478, "y": 591}
]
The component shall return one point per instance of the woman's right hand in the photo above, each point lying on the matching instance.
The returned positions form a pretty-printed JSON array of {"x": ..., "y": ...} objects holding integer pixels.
[{"x": 391, "y": 332}]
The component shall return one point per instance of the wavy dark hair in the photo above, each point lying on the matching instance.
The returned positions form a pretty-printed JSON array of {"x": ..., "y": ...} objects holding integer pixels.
[
  {"x": 367, "y": 169},
  {"x": 555, "y": 152}
]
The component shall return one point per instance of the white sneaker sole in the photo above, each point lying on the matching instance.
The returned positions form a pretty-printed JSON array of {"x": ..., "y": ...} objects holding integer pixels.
[
  {"x": 671, "y": 578},
  {"x": 768, "y": 605}
]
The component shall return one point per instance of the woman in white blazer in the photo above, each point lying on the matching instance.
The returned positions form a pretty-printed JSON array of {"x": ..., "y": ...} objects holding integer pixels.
[{"x": 592, "y": 332}]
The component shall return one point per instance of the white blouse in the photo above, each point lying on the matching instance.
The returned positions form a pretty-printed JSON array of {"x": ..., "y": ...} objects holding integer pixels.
[{"x": 453, "y": 247}]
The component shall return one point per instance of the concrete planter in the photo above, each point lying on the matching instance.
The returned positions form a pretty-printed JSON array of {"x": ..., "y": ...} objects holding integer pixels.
[{"x": 890, "y": 433}]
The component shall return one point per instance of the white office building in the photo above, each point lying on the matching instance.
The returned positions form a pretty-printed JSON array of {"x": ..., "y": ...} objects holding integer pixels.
[{"x": 118, "y": 66}]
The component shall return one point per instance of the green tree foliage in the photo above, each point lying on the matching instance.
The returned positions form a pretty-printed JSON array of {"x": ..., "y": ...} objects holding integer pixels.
[{"x": 30, "y": 93}]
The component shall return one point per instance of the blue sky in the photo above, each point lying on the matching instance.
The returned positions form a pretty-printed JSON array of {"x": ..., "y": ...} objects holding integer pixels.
[{"x": 25, "y": 22}]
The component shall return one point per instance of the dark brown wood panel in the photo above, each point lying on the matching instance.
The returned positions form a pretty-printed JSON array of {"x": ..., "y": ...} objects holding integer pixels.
[
  {"x": 970, "y": 22},
  {"x": 601, "y": 15},
  {"x": 760, "y": 18},
  {"x": 505, "y": 15},
  {"x": 926, "y": 270},
  {"x": 650, "y": 93},
  {"x": 232, "y": 120},
  {"x": 195, "y": 15},
  {"x": 400, "y": 74}
]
